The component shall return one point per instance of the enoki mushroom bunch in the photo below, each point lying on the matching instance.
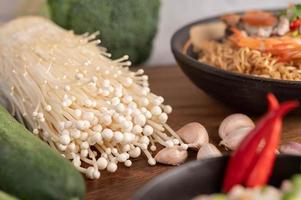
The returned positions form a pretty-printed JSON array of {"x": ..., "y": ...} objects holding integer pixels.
[{"x": 67, "y": 90}]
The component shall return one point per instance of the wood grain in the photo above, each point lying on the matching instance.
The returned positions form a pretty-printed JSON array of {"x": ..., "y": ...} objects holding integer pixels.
[{"x": 189, "y": 104}]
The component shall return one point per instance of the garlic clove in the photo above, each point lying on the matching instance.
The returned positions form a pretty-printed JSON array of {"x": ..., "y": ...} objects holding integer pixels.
[
  {"x": 171, "y": 156},
  {"x": 233, "y": 122},
  {"x": 293, "y": 148},
  {"x": 208, "y": 151},
  {"x": 194, "y": 134},
  {"x": 232, "y": 140}
]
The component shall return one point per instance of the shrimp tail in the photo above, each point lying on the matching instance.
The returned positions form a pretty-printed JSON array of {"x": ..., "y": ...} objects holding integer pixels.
[{"x": 286, "y": 51}]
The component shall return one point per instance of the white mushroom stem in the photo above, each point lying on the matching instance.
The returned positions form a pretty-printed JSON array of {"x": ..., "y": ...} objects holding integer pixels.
[
  {"x": 173, "y": 133},
  {"x": 91, "y": 109}
]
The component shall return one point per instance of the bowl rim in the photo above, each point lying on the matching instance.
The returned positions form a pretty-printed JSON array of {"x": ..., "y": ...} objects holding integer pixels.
[
  {"x": 173, "y": 172},
  {"x": 148, "y": 186},
  {"x": 178, "y": 54}
]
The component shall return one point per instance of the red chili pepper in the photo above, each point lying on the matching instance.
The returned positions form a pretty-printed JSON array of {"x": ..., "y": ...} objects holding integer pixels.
[
  {"x": 264, "y": 165},
  {"x": 273, "y": 102},
  {"x": 294, "y": 25},
  {"x": 251, "y": 164}
]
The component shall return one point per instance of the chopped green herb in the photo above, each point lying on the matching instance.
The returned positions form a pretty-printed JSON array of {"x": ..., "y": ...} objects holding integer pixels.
[
  {"x": 220, "y": 197},
  {"x": 295, "y": 33},
  {"x": 296, "y": 180},
  {"x": 294, "y": 12}
]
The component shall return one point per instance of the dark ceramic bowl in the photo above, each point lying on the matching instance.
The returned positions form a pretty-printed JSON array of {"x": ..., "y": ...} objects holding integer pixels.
[
  {"x": 205, "y": 177},
  {"x": 242, "y": 92}
]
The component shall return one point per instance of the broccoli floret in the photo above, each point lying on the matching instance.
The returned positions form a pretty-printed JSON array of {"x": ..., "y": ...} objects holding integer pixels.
[
  {"x": 295, "y": 192},
  {"x": 219, "y": 197},
  {"x": 5, "y": 196},
  {"x": 296, "y": 181},
  {"x": 126, "y": 27}
]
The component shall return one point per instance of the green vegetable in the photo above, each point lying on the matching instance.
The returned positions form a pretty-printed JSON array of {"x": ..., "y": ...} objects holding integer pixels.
[
  {"x": 264, "y": 188},
  {"x": 219, "y": 197},
  {"x": 30, "y": 169},
  {"x": 295, "y": 33},
  {"x": 296, "y": 181},
  {"x": 291, "y": 196},
  {"x": 5, "y": 196},
  {"x": 126, "y": 27},
  {"x": 44, "y": 11},
  {"x": 295, "y": 191},
  {"x": 292, "y": 12}
]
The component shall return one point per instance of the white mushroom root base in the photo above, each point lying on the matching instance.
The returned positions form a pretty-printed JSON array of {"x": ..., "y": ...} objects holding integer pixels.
[{"x": 67, "y": 90}]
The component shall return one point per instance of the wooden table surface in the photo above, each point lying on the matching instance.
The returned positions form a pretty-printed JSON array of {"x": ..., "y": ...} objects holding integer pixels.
[{"x": 189, "y": 104}]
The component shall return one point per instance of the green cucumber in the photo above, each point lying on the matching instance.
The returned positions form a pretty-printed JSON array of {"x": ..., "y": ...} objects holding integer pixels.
[
  {"x": 5, "y": 196},
  {"x": 30, "y": 169}
]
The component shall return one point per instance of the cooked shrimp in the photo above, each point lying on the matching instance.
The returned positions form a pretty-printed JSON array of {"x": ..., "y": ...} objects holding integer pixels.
[
  {"x": 241, "y": 39},
  {"x": 259, "y": 18},
  {"x": 285, "y": 48}
]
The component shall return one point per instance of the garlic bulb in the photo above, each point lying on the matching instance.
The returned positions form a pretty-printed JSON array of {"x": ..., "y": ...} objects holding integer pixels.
[
  {"x": 208, "y": 151},
  {"x": 91, "y": 109},
  {"x": 293, "y": 148},
  {"x": 171, "y": 156},
  {"x": 194, "y": 134},
  {"x": 234, "y": 129},
  {"x": 234, "y": 122},
  {"x": 232, "y": 140}
]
